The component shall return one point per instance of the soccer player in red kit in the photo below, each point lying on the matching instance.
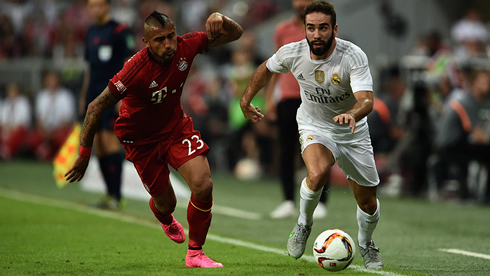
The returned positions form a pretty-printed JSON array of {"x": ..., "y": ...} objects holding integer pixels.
[{"x": 154, "y": 130}]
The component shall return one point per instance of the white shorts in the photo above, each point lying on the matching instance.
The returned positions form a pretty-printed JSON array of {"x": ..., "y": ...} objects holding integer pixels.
[{"x": 355, "y": 159}]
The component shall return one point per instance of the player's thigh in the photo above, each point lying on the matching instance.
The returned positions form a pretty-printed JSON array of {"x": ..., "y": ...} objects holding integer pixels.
[
  {"x": 318, "y": 160},
  {"x": 357, "y": 162},
  {"x": 187, "y": 154},
  {"x": 319, "y": 153},
  {"x": 151, "y": 167}
]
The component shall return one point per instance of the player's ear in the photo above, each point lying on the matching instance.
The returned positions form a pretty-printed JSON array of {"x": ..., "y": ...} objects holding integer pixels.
[{"x": 145, "y": 41}]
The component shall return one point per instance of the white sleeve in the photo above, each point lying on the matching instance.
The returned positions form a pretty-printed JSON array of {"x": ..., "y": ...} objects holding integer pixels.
[
  {"x": 361, "y": 80},
  {"x": 360, "y": 75},
  {"x": 275, "y": 66}
]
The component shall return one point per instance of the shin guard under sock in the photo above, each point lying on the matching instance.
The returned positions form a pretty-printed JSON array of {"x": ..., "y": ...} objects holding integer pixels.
[
  {"x": 199, "y": 218},
  {"x": 367, "y": 223}
]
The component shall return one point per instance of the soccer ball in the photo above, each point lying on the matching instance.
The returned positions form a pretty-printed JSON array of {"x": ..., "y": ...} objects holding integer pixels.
[{"x": 334, "y": 250}]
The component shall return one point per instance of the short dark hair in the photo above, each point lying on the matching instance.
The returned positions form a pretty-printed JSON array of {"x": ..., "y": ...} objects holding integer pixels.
[
  {"x": 323, "y": 7},
  {"x": 161, "y": 18}
]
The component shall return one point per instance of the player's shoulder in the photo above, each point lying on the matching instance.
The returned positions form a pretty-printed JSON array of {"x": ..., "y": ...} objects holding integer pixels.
[
  {"x": 351, "y": 52},
  {"x": 194, "y": 42},
  {"x": 345, "y": 47},
  {"x": 190, "y": 37},
  {"x": 141, "y": 57}
]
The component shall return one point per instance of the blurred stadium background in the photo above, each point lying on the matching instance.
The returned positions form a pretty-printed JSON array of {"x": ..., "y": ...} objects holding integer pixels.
[{"x": 414, "y": 52}]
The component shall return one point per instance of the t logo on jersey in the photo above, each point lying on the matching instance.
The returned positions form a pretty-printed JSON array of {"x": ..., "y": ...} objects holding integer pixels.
[
  {"x": 336, "y": 80},
  {"x": 319, "y": 76}
]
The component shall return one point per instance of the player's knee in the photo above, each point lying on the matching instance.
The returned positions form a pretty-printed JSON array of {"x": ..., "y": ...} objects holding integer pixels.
[
  {"x": 202, "y": 189},
  {"x": 317, "y": 178},
  {"x": 368, "y": 205}
]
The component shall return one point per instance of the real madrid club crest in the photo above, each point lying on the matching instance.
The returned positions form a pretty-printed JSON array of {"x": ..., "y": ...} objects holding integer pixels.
[
  {"x": 319, "y": 76},
  {"x": 336, "y": 80},
  {"x": 183, "y": 64},
  {"x": 309, "y": 138}
]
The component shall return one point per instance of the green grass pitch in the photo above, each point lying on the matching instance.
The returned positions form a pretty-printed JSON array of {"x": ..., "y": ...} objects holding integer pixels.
[{"x": 49, "y": 231}]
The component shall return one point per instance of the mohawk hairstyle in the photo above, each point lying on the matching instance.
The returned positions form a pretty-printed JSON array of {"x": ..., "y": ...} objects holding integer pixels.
[{"x": 161, "y": 18}]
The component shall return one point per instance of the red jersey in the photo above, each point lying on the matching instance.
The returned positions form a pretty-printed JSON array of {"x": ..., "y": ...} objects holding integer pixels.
[
  {"x": 150, "y": 91},
  {"x": 287, "y": 32}
]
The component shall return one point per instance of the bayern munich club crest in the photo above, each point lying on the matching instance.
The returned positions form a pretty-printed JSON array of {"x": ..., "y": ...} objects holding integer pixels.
[{"x": 183, "y": 65}]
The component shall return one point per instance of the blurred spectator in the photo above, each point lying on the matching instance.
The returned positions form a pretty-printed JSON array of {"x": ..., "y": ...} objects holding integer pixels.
[
  {"x": 15, "y": 120},
  {"x": 406, "y": 164},
  {"x": 470, "y": 35},
  {"x": 72, "y": 25},
  {"x": 55, "y": 113},
  {"x": 18, "y": 11},
  {"x": 460, "y": 139},
  {"x": 430, "y": 45},
  {"x": 260, "y": 10},
  {"x": 124, "y": 12},
  {"x": 9, "y": 44},
  {"x": 193, "y": 14},
  {"x": 254, "y": 139},
  {"x": 36, "y": 36},
  {"x": 385, "y": 125}
]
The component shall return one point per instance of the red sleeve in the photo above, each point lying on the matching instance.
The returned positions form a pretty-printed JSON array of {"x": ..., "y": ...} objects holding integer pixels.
[
  {"x": 198, "y": 41},
  {"x": 126, "y": 79}
]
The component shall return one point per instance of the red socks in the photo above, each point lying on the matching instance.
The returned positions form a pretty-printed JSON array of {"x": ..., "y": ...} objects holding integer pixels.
[
  {"x": 165, "y": 219},
  {"x": 199, "y": 219}
]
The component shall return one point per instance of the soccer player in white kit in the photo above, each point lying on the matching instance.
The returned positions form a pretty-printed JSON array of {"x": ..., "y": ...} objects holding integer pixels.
[{"x": 337, "y": 94}]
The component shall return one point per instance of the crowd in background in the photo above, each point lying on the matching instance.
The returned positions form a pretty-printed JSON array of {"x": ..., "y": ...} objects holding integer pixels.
[{"x": 430, "y": 134}]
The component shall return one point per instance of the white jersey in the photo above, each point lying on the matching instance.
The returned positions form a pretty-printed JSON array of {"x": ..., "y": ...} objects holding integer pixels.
[{"x": 327, "y": 86}]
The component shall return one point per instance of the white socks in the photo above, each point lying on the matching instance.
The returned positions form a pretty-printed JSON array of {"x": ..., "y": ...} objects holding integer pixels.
[
  {"x": 367, "y": 224},
  {"x": 307, "y": 203}
]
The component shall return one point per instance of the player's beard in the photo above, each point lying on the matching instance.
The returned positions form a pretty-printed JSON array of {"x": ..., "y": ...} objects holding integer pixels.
[
  {"x": 168, "y": 56},
  {"x": 321, "y": 51}
]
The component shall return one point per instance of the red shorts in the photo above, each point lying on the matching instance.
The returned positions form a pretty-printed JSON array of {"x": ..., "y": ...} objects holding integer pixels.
[{"x": 177, "y": 147}]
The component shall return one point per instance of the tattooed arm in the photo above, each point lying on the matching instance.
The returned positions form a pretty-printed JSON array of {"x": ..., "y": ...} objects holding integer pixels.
[
  {"x": 90, "y": 125},
  {"x": 221, "y": 30}
]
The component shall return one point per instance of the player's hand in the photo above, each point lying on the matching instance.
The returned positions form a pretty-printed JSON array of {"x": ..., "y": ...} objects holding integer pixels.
[
  {"x": 346, "y": 119},
  {"x": 252, "y": 113},
  {"x": 214, "y": 25},
  {"x": 77, "y": 171}
]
